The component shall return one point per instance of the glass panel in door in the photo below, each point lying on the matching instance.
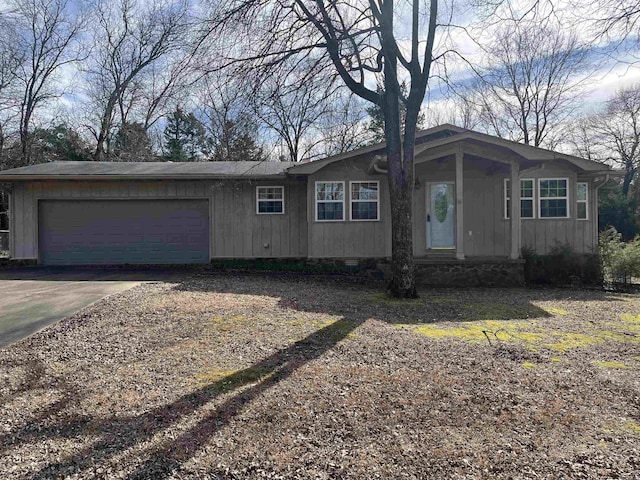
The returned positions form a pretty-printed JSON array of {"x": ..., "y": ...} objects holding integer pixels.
[{"x": 440, "y": 216}]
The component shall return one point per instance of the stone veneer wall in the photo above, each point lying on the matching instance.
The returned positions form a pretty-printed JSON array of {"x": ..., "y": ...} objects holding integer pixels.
[{"x": 467, "y": 273}]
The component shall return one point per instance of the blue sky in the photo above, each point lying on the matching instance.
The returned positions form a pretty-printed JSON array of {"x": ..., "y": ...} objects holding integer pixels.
[{"x": 615, "y": 69}]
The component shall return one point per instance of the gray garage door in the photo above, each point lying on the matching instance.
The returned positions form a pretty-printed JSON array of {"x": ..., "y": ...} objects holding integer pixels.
[{"x": 77, "y": 232}]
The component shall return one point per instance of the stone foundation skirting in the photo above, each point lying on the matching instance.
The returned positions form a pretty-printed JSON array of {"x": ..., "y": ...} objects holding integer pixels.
[{"x": 466, "y": 273}]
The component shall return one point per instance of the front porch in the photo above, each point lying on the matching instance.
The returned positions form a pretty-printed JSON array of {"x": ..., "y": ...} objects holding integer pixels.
[{"x": 466, "y": 177}]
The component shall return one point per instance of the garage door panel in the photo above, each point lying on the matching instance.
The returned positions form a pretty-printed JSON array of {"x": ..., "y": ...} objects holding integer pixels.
[{"x": 123, "y": 231}]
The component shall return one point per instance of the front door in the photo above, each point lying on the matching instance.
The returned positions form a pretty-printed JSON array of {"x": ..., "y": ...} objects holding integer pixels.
[{"x": 440, "y": 215}]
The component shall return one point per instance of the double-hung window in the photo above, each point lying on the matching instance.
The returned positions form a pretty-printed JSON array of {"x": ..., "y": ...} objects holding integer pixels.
[
  {"x": 582, "y": 197},
  {"x": 4, "y": 209},
  {"x": 553, "y": 198},
  {"x": 526, "y": 198},
  {"x": 269, "y": 200},
  {"x": 329, "y": 201},
  {"x": 365, "y": 200}
]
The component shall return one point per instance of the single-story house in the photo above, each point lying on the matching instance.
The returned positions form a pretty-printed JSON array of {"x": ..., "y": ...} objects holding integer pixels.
[{"x": 465, "y": 207}]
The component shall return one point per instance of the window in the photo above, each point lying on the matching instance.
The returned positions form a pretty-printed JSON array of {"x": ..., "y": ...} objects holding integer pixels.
[
  {"x": 364, "y": 200},
  {"x": 269, "y": 200},
  {"x": 4, "y": 210},
  {"x": 582, "y": 196},
  {"x": 554, "y": 194},
  {"x": 329, "y": 201},
  {"x": 526, "y": 198}
]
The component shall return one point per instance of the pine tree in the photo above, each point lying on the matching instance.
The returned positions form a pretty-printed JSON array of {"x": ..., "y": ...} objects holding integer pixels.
[
  {"x": 185, "y": 137},
  {"x": 132, "y": 143}
]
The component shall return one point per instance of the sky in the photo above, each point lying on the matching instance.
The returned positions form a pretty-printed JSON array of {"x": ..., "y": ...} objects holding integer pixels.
[{"x": 614, "y": 71}]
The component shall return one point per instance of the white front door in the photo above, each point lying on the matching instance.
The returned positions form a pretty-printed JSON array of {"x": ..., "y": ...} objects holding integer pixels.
[{"x": 441, "y": 215}]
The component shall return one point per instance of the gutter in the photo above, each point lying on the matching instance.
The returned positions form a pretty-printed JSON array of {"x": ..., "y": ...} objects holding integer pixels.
[{"x": 597, "y": 186}]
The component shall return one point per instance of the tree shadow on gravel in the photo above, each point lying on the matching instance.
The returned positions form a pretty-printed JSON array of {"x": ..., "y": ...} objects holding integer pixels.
[
  {"x": 353, "y": 303},
  {"x": 120, "y": 433},
  {"x": 37, "y": 379}
]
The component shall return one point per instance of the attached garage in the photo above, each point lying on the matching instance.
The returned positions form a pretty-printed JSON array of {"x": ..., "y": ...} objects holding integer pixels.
[
  {"x": 167, "y": 231},
  {"x": 103, "y": 213}
]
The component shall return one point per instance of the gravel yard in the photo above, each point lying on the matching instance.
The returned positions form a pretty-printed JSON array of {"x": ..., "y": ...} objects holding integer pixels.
[{"x": 257, "y": 376}]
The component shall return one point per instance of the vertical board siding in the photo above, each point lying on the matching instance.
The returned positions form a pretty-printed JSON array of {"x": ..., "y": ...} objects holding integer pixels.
[
  {"x": 239, "y": 232},
  {"x": 236, "y": 230},
  {"x": 348, "y": 238}
]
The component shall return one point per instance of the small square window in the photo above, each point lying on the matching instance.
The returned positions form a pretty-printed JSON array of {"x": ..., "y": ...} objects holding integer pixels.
[
  {"x": 553, "y": 197},
  {"x": 269, "y": 200}
]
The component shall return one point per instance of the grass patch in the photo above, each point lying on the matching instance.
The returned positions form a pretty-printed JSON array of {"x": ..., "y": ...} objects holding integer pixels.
[
  {"x": 442, "y": 300},
  {"x": 557, "y": 311},
  {"x": 568, "y": 341},
  {"x": 611, "y": 364},
  {"x": 632, "y": 426},
  {"x": 530, "y": 334},
  {"x": 630, "y": 318},
  {"x": 225, "y": 380},
  {"x": 529, "y": 365},
  {"x": 479, "y": 331}
]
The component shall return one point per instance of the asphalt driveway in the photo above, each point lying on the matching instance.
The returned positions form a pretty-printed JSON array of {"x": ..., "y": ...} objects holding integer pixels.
[{"x": 32, "y": 298}]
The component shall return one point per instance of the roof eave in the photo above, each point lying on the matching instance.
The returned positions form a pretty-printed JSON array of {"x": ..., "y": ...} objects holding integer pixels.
[
  {"x": 309, "y": 168},
  {"x": 15, "y": 178}
]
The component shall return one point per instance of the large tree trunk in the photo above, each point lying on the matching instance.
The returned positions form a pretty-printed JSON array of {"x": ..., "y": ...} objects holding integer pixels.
[
  {"x": 400, "y": 190},
  {"x": 400, "y": 175}
]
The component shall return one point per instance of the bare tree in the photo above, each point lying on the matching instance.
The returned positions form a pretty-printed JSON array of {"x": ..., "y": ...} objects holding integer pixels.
[
  {"x": 530, "y": 86},
  {"x": 227, "y": 105},
  {"x": 11, "y": 58},
  {"x": 344, "y": 127},
  {"x": 293, "y": 106},
  {"x": 47, "y": 32},
  {"x": 613, "y": 136},
  {"x": 616, "y": 20},
  {"x": 131, "y": 37},
  {"x": 458, "y": 109},
  {"x": 361, "y": 40}
]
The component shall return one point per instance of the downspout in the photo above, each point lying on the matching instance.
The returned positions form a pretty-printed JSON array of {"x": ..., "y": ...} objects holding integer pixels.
[{"x": 596, "y": 194}]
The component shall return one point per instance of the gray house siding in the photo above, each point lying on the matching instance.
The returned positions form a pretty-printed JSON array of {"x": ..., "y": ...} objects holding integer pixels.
[
  {"x": 239, "y": 232},
  {"x": 236, "y": 231},
  {"x": 349, "y": 238},
  {"x": 543, "y": 234}
]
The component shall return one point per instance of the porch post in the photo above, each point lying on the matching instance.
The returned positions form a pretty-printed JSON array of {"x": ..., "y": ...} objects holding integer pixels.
[
  {"x": 459, "y": 206},
  {"x": 515, "y": 210}
]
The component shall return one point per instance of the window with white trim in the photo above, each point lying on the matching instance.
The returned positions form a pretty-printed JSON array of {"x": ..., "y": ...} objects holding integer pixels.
[
  {"x": 582, "y": 197},
  {"x": 365, "y": 200},
  {"x": 269, "y": 200},
  {"x": 329, "y": 201},
  {"x": 553, "y": 198},
  {"x": 526, "y": 198},
  {"x": 4, "y": 209}
]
